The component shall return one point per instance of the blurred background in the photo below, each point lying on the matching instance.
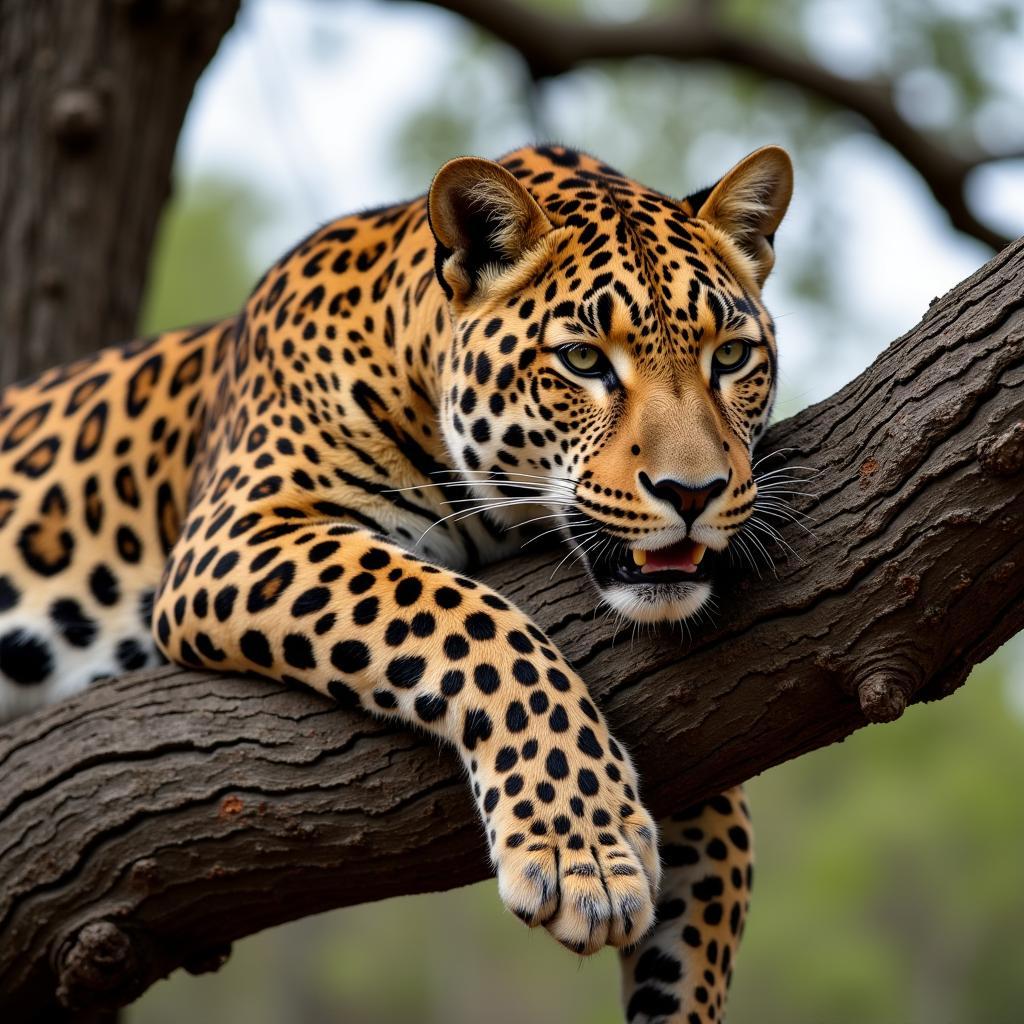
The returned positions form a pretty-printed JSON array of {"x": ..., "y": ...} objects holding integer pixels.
[{"x": 890, "y": 866}]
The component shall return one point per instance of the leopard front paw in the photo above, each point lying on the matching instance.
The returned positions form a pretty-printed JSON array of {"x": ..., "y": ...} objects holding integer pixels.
[{"x": 580, "y": 859}]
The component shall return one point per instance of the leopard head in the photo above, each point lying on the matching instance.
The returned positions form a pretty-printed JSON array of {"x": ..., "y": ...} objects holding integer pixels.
[{"x": 611, "y": 364}]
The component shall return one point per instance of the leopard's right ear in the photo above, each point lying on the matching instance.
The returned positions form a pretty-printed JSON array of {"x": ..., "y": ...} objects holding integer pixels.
[{"x": 484, "y": 221}]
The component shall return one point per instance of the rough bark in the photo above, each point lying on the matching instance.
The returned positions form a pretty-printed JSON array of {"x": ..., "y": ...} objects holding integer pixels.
[
  {"x": 157, "y": 818},
  {"x": 552, "y": 44},
  {"x": 92, "y": 97}
]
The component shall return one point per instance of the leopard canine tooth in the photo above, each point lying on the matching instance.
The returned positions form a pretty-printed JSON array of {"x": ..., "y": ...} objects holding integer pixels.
[
  {"x": 639, "y": 557},
  {"x": 698, "y": 553}
]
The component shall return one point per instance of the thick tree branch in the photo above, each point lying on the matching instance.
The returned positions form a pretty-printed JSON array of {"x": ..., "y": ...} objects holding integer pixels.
[
  {"x": 153, "y": 820},
  {"x": 552, "y": 44}
]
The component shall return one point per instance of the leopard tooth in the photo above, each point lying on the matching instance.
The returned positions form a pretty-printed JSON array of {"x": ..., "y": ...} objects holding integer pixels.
[
  {"x": 639, "y": 557},
  {"x": 698, "y": 553}
]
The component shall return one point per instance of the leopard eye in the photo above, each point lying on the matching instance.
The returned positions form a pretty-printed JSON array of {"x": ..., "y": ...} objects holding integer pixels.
[
  {"x": 585, "y": 360},
  {"x": 730, "y": 355}
]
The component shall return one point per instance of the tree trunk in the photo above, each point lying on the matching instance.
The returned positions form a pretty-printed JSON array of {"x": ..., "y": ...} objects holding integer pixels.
[
  {"x": 155, "y": 819},
  {"x": 92, "y": 97}
]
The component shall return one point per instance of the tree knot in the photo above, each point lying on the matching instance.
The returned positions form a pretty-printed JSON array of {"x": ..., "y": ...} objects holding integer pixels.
[
  {"x": 884, "y": 694},
  {"x": 77, "y": 117},
  {"x": 98, "y": 967}
]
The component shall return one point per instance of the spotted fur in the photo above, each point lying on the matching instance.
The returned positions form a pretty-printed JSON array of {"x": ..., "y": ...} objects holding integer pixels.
[{"x": 536, "y": 345}]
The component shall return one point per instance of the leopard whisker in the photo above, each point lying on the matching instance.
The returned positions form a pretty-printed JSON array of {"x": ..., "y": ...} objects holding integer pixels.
[
  {"x": 743, "y": 553},
  {"x": 772, "y": 455},
  {"x": 759, "y": 545},
  {"x": 471, "y": 483},
  {"x": 556, "y": 529},
  {"x": 777, "y": 501},
  {"x": 785, "y": 493},
  {"x": 769, "y": 531},
  {"x": 789, "y": 515},
  {"x": 462, "y": 514},
  {"x": 584, "y": 538},
  {"x": 508, "y": 475},
  {"x": 781, "y": 470},
  {"x": 541, "y": 497}
]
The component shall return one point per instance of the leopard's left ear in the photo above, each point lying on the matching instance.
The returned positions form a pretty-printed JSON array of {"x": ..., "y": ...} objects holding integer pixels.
[
  {"x": 748, "y": 204},
  {"x": 483, "y": 220}
]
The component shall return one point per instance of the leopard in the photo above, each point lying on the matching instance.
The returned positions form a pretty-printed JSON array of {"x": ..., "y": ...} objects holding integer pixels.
[{"x": 305, "y": 491}]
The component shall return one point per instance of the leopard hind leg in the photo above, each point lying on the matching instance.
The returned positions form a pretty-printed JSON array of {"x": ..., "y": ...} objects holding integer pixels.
[{"x": 680, "y": 972}]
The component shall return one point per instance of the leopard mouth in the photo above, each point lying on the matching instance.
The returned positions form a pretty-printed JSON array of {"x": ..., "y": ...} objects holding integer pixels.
[{"x": 684, "y": 561}]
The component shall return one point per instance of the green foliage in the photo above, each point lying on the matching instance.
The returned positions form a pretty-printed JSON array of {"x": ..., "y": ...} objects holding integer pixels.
[
  {"x": 200, "y": 267},
  {"x": 887, "y": 886}
]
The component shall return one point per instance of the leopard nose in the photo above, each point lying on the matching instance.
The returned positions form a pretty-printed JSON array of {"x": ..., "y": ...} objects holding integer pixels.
[{"x": 687, "y": 500}]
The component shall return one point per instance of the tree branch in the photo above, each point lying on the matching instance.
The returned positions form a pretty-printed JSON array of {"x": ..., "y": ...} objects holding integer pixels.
[
  {"x": 552, "y": 44},
  {"x": 154, "y": 819}
]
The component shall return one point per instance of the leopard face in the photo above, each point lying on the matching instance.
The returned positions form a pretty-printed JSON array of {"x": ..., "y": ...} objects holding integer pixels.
[{"x": 612, "y": 364}]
